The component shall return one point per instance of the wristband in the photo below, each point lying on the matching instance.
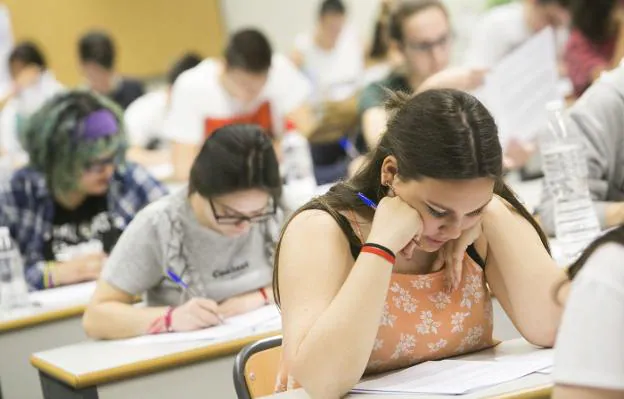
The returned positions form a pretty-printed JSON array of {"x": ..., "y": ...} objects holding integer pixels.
[
  {"x": 380, "y": 251},
  {"x": 264, "y": 295},
  {"x": 168, "y": 326}
]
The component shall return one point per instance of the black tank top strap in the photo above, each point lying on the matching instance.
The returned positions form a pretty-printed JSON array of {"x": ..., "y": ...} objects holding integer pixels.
[{"x": 474, "y": 255}]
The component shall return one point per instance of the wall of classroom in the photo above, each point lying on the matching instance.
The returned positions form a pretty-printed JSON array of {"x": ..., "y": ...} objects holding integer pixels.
[
  {"x": 150, "y": 34},
  {"x": 282, "y": 20}
]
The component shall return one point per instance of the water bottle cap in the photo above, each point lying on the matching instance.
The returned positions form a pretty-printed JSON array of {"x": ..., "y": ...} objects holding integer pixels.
[{"x": 290, "y": 125}]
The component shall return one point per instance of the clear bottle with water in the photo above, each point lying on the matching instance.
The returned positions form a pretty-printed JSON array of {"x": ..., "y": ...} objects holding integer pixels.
[
  {"x": 297, "y": 169},
  {"x": 565, "y": 173},
  {"x": 13, "y": 288},
  {"x": 297, "y": 165}
]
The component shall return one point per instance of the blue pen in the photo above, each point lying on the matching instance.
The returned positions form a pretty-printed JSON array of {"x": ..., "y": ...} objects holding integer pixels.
[
  {"x": 367, "y": 201},
  {"x": 178, "y": 280},
  {"x": 349, "y": 148}
]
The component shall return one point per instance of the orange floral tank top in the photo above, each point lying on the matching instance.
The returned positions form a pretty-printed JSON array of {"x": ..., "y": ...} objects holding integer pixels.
[{"x": 421, "y": 321}]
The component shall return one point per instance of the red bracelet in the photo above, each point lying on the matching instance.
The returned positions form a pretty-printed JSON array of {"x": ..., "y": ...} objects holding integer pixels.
[
  {"x": 379, "y": 251},
  {"x": 264, "y": 295},
  {"x": 168, "y": 326}
]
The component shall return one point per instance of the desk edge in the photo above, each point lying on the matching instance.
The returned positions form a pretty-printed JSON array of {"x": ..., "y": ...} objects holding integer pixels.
[
  {"x": 544, "y": 390},
  {"x": 145, "y": 366},
  {"x": 44, "y": 317}
]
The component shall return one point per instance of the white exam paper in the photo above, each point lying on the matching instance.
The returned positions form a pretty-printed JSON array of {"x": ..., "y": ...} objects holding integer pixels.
[
  {"x": 518, "y": 88},
  {"x": 258, "y": 321},
  {"x": 456, "y": 377}
]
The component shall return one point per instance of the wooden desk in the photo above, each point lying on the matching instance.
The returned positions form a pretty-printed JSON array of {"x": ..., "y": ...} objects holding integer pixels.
[
  {"x": 25, "y": 331},
  {"x": 533, "y": 386},
  {"x": 109, "y": 369}
]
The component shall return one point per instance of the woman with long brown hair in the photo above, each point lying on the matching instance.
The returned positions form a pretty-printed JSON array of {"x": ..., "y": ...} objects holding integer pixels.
[{"x": 367, "y": 290}]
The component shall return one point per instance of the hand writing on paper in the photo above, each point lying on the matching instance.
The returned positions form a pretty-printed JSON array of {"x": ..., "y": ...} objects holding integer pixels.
[
  {"x": 241, "y": 304},
  {"x": 195, "y": 314},
  {"x": 452, "y": 253}
]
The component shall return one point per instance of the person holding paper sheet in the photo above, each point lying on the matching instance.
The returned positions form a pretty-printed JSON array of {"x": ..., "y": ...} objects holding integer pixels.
[
  {"x": 67, "y": 207},
  {"x": 364, "y": 290},
  {"x": 589, "y": 355},
  {"x": 504, "y": 28},
  {"x": 596, "y": 42},
  {"x": 598, "y": 119},
  {"x": 421, "y": 31},
  {"x": 215, "y": 239}
]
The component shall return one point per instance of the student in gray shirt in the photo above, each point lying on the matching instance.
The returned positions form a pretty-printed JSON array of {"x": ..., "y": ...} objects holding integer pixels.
[
  {"x": 217, "y": 235},
  {"x": 598, "y": 118}
]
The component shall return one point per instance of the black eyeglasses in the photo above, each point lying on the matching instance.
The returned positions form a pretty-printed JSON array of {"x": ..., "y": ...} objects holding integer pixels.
[
  {"x": 428, "y": 46},
  {"x": 98, "y": 165},
  {"x": 240, "y": 218}
]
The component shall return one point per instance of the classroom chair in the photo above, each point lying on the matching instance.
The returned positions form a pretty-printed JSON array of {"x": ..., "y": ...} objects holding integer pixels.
[{"x": 256, "y": 367}]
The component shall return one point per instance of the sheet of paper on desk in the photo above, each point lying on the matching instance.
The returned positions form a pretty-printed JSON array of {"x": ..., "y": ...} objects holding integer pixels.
[
  {"x": 517, "y": 89},
  {"x": 70, "y": 295},
  {"x": 454, "y": 377},
  {"x": 258, "y": 321}
]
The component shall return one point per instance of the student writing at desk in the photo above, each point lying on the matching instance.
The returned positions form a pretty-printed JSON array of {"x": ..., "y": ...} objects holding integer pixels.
[
  {"x": 217, "y": 236},
  {"x": 98, "y": 54},
  {"x": 385, "y": 289},
  {"x": 589, "y": 355},
  {"x": 250, "y": 85},
  {"x": 66, "y": 208}
]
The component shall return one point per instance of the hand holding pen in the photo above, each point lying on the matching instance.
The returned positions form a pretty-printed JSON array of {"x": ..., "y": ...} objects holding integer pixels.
[
  {"x": 195, "y": 314},
  {"x": 395, "y": 224}
]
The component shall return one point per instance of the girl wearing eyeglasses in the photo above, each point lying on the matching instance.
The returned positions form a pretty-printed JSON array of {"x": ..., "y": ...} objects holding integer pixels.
[
  {"x": 202, "y": 254},
  {"x": 68, "y": 206}
]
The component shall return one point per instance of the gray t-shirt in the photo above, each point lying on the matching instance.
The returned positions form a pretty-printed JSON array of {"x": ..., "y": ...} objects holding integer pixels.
[{"x": 167, "y": 234}]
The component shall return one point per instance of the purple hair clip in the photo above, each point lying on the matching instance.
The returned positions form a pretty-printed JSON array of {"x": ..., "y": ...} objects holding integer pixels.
[{"x": 98, "y": 124}]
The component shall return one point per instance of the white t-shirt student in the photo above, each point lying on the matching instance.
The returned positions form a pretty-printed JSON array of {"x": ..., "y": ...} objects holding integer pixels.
[
  {"x": 501, "y": 30},
  {"x": 21, "y": 106},
  {"x": 589, "y": 350},
  {"x": 200, "y": 104},
  {"x": 335, "y": 74},
  {"x": 145, "y": 118}
]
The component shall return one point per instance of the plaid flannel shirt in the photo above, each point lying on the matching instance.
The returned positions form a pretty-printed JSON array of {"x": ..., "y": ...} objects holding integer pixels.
[{"x": 27, "y": 209}]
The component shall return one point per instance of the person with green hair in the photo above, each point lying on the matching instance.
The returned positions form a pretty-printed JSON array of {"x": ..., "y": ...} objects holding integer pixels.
[{"x": 68, "y": 206}]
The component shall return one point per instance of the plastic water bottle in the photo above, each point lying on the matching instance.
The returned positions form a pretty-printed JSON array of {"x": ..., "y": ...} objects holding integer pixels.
[
  {"x": 297, "y": 162},
  {"x": 565, "y": 173},
  {"x": 297, "y": 168},
  {"x": 13, "y": 288}
]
